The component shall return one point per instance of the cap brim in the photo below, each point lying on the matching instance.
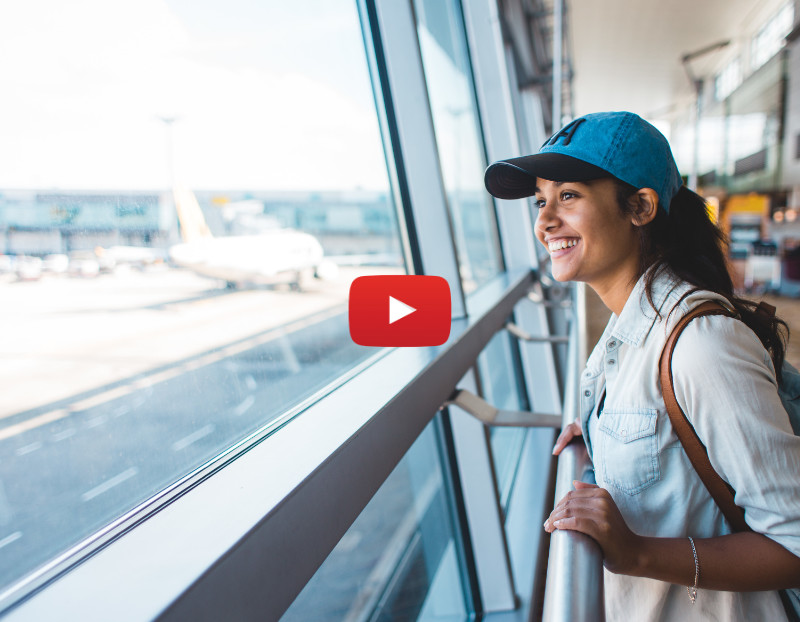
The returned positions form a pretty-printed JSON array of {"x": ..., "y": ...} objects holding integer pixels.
[{"x": 516, "y": 178}]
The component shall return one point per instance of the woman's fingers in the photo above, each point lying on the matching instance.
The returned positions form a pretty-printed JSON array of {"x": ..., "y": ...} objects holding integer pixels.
[
  {"x": 572, "y": 511},
  {"x": 588, "y": 499},
  {"x": 591, "y": 510},
  {"x": 567, "y": 434}
]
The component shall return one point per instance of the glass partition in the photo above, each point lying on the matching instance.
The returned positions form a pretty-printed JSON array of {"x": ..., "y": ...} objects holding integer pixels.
[
  {"x": 502, "y": 387},
  {"x": 401, "y": 559},
  {"x": 186, "y": 192}
]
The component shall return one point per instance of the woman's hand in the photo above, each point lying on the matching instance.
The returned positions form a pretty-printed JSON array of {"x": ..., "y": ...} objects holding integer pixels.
[
  {"x": 590, "y": 509},
  {"x": 567, "y": 434}
]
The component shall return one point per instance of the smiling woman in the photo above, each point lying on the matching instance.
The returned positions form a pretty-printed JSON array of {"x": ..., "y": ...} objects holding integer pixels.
[
  {"x": 588, "y": 236},
  {"x": 612, "y": 212}
]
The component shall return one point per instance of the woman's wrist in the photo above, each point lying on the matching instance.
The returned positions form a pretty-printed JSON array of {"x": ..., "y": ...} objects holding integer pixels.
[
  {"x": 639, "y": 559},
  {"x": 659, "y": 558}
]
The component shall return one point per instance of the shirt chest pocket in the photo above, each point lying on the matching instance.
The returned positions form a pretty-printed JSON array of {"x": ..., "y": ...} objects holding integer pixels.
[{"x": 627, "y": 449}]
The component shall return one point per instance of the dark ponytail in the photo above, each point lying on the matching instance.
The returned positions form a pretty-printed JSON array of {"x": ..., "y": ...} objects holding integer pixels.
[{"x": 687, "y": 243}]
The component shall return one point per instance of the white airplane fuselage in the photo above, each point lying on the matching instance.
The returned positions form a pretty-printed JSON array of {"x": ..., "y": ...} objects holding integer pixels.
[{"x": 278, "y": 256}]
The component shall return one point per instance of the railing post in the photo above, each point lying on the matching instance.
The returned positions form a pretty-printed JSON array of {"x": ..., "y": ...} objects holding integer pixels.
[{"x": 574, "y": 587}]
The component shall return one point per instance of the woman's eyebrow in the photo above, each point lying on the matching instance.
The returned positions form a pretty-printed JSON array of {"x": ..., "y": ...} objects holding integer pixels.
[{"x": 558, "y": 184}]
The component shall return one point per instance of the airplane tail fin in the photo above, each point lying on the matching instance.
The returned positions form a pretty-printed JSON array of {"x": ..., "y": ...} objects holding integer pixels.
[{"x": 190, "y": 216}]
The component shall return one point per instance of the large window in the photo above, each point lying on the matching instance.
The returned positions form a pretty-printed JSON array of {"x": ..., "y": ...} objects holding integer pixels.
[
  {"x": 728, "y": 79},
  {"x": 451, "y": 91},
  {"x": 173, "y": 178},
  {"x": 770, "y": 38}
]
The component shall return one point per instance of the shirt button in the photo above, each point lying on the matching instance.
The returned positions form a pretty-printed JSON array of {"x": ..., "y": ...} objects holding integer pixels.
[
  {"x": 611, "y": 344},
  {"x": 611, "y": 361},
  {"x": 587, "y": 393}
]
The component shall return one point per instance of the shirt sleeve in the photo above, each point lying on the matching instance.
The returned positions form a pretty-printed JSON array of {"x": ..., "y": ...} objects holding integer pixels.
[{"x": 724, "y": 382}]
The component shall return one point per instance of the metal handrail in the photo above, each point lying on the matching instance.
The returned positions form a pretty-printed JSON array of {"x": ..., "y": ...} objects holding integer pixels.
[{"x": 574, "y": 586}]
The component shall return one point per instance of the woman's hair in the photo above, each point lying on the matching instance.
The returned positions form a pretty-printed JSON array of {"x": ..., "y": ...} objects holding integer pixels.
[{"x": 688, "y": 244}]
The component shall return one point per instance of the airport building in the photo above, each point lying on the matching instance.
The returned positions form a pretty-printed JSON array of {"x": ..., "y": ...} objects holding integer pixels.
[{"x": 185, "y": 437}]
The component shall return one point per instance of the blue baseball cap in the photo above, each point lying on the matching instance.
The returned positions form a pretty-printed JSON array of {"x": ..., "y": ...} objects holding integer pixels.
[{"x": 597, "y": 145}]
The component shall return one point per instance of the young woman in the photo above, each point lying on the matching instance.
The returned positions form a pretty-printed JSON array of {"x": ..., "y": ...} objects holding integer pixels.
[{"x": 613, "y": 213}]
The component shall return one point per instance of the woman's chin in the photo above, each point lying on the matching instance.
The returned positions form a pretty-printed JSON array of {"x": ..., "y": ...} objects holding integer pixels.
[{"x": 562, "y": 276}]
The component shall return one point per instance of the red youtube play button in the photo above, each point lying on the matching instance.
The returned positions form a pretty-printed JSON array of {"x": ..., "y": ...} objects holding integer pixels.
[{"x": 399, "y": 310}]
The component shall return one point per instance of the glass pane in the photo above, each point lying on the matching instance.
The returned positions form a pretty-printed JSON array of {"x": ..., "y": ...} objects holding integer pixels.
[
  {"x": 138, "y": 344},
  {"x": 399, "y": 560},
  {"x": 451, "y": 91},
  {"x": 502, "y": 387}
]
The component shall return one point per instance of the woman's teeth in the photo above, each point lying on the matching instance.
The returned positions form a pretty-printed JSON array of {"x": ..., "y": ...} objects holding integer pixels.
[{"x": 560, "y": 244}]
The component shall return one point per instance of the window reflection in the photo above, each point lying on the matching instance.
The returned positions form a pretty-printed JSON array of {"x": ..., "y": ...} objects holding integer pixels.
[
  {"x": 399, "y": 560},
  {"x": 448, "y": 75},
  {"x": 503, "y": 388},
  {"x": 174, "y": 178}
]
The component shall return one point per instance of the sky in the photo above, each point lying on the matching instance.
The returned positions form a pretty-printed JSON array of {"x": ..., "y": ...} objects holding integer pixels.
[{"x": 264, "y": 95}]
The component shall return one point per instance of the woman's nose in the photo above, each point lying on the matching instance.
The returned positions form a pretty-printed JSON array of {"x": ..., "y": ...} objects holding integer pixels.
[{"x": 546, "y": 217}]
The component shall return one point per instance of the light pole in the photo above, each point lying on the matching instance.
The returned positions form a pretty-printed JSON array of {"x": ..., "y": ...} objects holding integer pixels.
[{"x": 168, "y": 122}]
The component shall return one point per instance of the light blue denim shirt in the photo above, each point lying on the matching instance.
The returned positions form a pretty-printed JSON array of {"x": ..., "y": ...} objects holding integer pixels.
[{"x": 725, "y": 383}]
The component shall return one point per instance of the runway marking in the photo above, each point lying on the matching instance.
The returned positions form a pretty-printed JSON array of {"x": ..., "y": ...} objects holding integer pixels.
[
  {"x": 6, "y": 513},
  {"x": 96, "y": 421},
  {"x": 9, "y": 539},
  {"x": 109, "y": 484},
  {"x": 102, "y": 398},
  {"x": 245, "y": 405},
  {"x": 147, "y": 382},
  {"x": 122, "y": 410},
  {"x": 30, "y": 424},
  {"x": 193, "y": 437},
  {"x": 65, "y": 434},
  {"x": 27, "y": 449},
  {"x": 290, "y": 357}
]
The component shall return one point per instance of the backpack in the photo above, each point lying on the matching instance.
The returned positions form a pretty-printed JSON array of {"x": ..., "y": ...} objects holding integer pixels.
[{"x": 721, "y": 492}]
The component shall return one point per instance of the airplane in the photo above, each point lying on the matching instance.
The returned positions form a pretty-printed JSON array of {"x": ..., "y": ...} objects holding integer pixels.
[{"x": 270, "y": 257}]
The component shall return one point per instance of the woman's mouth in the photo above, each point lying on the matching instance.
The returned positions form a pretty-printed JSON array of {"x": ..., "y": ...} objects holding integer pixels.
[{"x": 554, "y": 246}]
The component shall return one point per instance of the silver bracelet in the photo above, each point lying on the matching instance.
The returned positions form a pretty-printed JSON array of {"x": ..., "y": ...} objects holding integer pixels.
[{"x": 692, "y": 591}]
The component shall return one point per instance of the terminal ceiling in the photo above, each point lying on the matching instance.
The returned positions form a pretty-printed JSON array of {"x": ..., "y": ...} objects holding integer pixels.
[{"x": 626, "y": 54}]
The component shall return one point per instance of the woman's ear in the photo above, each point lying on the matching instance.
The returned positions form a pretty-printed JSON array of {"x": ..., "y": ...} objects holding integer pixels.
[{"x": 645, "y": 204}]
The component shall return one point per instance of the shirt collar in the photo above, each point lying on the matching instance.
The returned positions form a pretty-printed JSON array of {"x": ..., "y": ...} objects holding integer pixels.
[{"x": 638, "y": 316}]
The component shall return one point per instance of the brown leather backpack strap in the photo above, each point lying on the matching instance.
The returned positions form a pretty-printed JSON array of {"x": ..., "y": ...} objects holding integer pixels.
[{"x": 720, "y": 491}]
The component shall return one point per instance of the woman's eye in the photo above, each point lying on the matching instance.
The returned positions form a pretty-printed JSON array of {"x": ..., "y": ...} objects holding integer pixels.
[
  {"x": 567, "y": 195},
  {"x": 540, "y": 203}
]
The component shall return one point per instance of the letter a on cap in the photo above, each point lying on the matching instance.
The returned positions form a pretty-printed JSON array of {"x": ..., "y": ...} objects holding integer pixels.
[{"x": 567, "y": 131}]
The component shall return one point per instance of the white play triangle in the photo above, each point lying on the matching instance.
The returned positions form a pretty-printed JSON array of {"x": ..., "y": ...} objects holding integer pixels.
[{"x": 398, "y": 310}]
